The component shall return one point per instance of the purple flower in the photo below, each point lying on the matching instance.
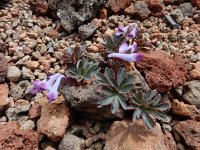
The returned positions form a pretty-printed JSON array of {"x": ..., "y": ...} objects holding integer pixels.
[
  {"x": 51, "y": 86},
  {"x": 53, "y": 92},
  {"x": 129, "y": 30},
  {"x": 126, "y": 52}
]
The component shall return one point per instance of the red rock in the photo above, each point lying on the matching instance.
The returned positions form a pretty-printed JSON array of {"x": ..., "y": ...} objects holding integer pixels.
[
  {"x": 169, "y": 141},
  {"x": 126, "y": 135},
  {"x": 35, "y": 111},
  {"x": 161, "y": 72},
  {"x": 189, "y": 130},
  {"x": 4, "y": 101},
  {"x": 3, "y": 68},
  {"x": 13, "y": 138},
  {"x": 40, "y": 6},
  {"x": 103, "y": 13},
  {"x": 117, "y": 5},
  {"x": 138, "y": 9},
  {"x": 156, "y": 7},
  {"x": 185, "y": 110},
  {"x": 54, "y": 120},
  {"x": 196, "y": 3}
]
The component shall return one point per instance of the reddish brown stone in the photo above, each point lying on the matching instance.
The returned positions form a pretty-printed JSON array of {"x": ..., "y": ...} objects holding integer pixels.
[
  {"x": 3, "y": 68},
  {"x": 103, "y": 13},
  {"x": 169, "y": 141},
  {"x": 40, "y": 6},
  {"x": 196, "y": 3},
  {"x": 54, "y": 120},
  {"x": 161, "y": 72},
  {"x": 4, "y": 102},
  {"x": 185, "y": 110},
  {"x": 117, "y": 5},
  {"x": 13, "y": 138},
  {"x": 156, "y": 7},
  {"x": 189, "y": 130},
  {"x": 35, "y": 111}
]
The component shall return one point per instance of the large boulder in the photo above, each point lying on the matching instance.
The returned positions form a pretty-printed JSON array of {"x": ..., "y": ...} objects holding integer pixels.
[
  {"x": 73, "y": 13},
  {"x": 126, "y": 135},
  {"x": 13, "y": 138}
]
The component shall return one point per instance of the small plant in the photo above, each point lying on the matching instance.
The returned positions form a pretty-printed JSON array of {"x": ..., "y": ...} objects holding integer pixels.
[
  {"x": 72, "y": 55},
  {"x": 113, "y": 42},
  {"x": 115, "y": 87},
  {"x": 83, "y": 70},
  {"x": 147, "y": 106}
]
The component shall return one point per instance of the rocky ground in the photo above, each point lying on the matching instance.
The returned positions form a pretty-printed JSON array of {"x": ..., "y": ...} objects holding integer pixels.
[{"x": 35, "y": 34}]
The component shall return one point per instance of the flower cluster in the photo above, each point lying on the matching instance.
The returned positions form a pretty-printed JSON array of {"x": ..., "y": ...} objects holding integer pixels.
[
  {"x": 51, "y": 86},
  {"x": 126, "y": 52}
]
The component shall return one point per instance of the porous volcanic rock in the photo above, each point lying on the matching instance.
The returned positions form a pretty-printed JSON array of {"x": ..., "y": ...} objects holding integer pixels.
[
  {"x": 73, "y": 13},
  {"x": 196, "y": 3},
  {"x": 189, "y": 130},
  {"x": 13, "y": 138},
  {"x": 161, "y": 72},
  {"x": 156, "y": 7},
  {"x": 39, "y": 6},
  {"x": 117, "y": 5},
  {"x": 169, "y": 141},
  {"x": 54, "y": 120},
  {"x": 126, "y": 135},
  {"x": 3, "y": 68}
]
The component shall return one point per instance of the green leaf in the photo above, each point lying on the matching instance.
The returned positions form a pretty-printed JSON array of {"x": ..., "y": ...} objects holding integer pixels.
[
  {"x": 115, "y": 106},
  {"x": 121, "y": 75},
  {"x": 162, "y": 107},
  {"x": 109, "y": 74},
  {"x": 106, "y": 101},
  {"x": 101, "y": 79},
  {"x": 123, "y": 103},
  {"x": 137, "y": 113},
  {"x": 149, "y": 95},
  {"x": 148, "y": 121},
  {"x": 126, "y": 88}
]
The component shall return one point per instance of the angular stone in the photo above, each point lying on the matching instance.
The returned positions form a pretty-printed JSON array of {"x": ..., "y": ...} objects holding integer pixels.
[
  {"x": 177, "y": 15},
  {"x": 192, "y": 93},
  {"x": 35, "y": 111},
  {"x": 186, "y": 9},
  {"x": 4, "y": 101},
  {"x": 73, "y": 13},
  {"x": 161, "y": 72},
  {"x": 196, "y": 71},
  {"x": 14, "y": 74},
  {"x": 138, "y": 9},
  {"x": 185, "y": 110},
  {"x": 189, "y": 130},
  {"x": 3, "y": 68},
  {"x": 170, "y": 21},
  {"x": 13, "y": 138},
  {"x": 39, "y": 6},
  {"x": 54, "y": 120},
  {"x": 117, "y": 5},
  {"x": 126, "y": 135},
  {"x": 156, "y": 7},
  {"x": 70, "y": 142}
]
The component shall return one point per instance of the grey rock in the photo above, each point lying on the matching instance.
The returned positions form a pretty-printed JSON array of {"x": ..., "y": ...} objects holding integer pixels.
[
  {"x": 3, "y": 119},
  {"x": 28, "y": 125},
  {"x": 3, "y": 68},
  {"x": 13, "y": 116},
  {"x": 73, "y": 13},
  {"x": 70, "y": 142},
  {"x": 170, "y": 21},
  {"x": 141, "y": 10},
  {"x": 86, "y": 31},
  {"x": 22, "y": 108},
  {"x": 84, "y": 99},
  {"x": 14, "y": 74},
  {"x": 192, "y": 93},
  {"x": 23, "y": 60},
  {"x": 18, "y": 91},
  {"x": 177, "y": 15},
  {"x": 27, "y": 73},
  {"x": 2, "y": 46},
  {"x": 187, "y": 9}
]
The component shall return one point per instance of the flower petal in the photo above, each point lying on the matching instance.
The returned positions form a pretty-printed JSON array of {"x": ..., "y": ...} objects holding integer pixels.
[
  {"x": 127, "y": 57},
  {"x": 133, "y": 47},
  {"x": 123, "y": 48}
]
